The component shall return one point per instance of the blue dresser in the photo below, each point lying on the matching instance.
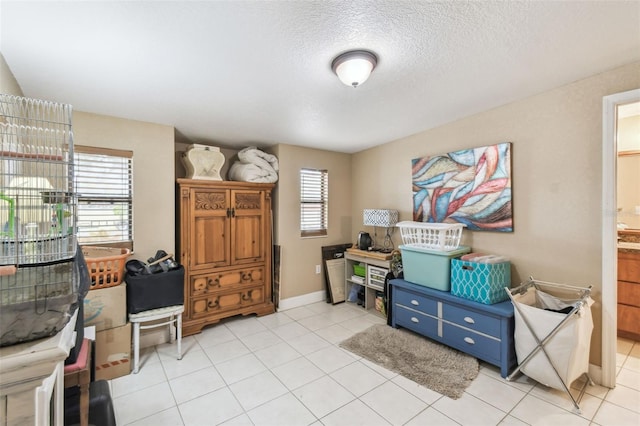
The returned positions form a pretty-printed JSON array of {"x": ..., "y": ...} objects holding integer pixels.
[{"x": 483, "y": 331}]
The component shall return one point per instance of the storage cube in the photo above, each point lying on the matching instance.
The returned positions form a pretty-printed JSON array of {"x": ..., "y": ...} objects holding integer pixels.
[
  {"x": 145, "y": 292},
  {"x": 480, "y": 282},
  {"x": 429, "y": 268}
]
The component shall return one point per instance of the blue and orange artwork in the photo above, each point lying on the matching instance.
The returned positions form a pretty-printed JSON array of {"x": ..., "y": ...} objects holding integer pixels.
[{"x": 471, "y": 186}]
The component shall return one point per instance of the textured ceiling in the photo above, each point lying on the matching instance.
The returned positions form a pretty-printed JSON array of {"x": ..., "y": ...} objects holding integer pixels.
[{"x": 238, "y": 73}]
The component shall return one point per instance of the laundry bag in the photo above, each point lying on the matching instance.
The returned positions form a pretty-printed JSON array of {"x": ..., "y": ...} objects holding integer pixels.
[{"x": 538, "y": 313}]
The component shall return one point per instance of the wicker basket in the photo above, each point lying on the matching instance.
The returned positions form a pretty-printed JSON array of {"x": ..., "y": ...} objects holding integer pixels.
[
  {"x": 106, "y": 265},
  {"x": 433, "y": 236}
]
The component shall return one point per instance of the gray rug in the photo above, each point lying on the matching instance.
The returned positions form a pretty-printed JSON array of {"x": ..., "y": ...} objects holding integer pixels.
[{"x": 435, "y": 366}]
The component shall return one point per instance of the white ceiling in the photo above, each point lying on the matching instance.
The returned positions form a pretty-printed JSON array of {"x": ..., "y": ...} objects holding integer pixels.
[{"x": 239, "y": 73}]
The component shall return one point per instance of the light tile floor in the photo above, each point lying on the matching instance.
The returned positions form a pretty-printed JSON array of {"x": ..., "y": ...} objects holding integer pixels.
[{"x": 287, "y": 369}]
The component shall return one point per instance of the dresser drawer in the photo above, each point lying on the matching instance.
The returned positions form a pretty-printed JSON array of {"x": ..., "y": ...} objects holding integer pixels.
[
  {"x": 472, "y": 319},
  {"x": 629, "y": 266},
  {"x": 483, "y": 331},
  {"x": 414, "y": 301},
  {"x": 629, "y": 318},
  {"x": 415, "y": 321},
  {"x": 213, "y": 283},
  {"x": 472, "y": 343},
  {"x": 629, "y": 293},
  {"x": 226, "y": 301}
]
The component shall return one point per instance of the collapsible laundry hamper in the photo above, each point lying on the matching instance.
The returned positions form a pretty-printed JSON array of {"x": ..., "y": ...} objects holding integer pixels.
[{"x": 553, "y": 326}]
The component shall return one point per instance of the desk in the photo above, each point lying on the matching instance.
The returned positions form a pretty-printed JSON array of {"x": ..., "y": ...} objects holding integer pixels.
[{"x": 79, "y": 374}]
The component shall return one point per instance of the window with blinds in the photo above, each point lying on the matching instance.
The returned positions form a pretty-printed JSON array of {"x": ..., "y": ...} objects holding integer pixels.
[
  {"x": 104, "y": 182},
  {"x": 314, "y": 202}
]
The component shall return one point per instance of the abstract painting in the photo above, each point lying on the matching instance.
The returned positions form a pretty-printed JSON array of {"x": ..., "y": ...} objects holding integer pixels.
[{"x": 471, "y": 186}]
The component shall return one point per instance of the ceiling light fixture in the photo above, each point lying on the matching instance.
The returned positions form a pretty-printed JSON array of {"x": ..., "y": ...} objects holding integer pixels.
[{"x": 354, "y": 67}]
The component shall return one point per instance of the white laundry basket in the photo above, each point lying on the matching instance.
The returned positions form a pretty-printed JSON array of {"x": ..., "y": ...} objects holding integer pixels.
[
  {"x": 552, "y": 347},
  {"x": 432, "y": 236}
]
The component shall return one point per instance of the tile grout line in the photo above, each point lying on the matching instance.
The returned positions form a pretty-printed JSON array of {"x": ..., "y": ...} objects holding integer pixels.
[{"x": 526, "y": 393}]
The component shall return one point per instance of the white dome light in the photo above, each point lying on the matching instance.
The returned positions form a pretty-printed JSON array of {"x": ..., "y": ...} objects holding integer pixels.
[{"x": 354, "y": 67}]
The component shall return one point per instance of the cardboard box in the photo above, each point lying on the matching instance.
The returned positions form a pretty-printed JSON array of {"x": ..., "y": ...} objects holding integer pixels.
[
  {"x": 113, "y": 352},
  {"x": 106, "y": 308}
]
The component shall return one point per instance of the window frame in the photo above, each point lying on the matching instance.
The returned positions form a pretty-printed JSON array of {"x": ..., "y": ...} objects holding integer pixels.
[
  {"x": 80, "y": 150},
  {"x": 315, "y": 193}
]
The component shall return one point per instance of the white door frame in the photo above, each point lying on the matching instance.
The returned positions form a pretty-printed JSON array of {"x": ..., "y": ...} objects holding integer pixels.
[{"x": 610, "y": 232}]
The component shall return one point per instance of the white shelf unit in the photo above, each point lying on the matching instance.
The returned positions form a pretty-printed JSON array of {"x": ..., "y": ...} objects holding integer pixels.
[{"x": 376, "y": 270}]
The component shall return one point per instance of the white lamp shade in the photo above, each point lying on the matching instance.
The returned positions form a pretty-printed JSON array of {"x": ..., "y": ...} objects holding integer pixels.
[
  {"x": 354, "y": 68},
  {"x": 380, "y": 217}
]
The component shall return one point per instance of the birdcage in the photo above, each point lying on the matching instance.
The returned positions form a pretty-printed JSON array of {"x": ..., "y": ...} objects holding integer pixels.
[{"x": 37, "y": 218}]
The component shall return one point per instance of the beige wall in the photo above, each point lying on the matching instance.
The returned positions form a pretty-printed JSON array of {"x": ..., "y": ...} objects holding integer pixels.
[
  {"x": 557, "y": 182},
  {"x": 300, "y": 255},
  {"x": 557, "y": 163},
  {"x": 629, "y": 171},
  {"x": 153, "y": 164},
  {"x": 629, "y": 133},
  {"x": 153, "y": 174},
  {"x": 629, "y": 190},
  {"x": 8, "y": 83}
]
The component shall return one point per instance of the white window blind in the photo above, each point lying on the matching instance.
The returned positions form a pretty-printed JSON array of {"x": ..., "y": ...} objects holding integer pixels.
[
  {"x": 314, "y": 202},
  {"x": 104, "y": 182}
]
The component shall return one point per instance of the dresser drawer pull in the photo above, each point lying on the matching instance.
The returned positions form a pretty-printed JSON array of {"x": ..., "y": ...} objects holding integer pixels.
[
  {"x": 414, "y": 302},
  {"x": 469, "y": 320},
  {"x": 414, "y": 319},
  {"x": 469, "y": 340},
  {"x": 214, "y": 282}
]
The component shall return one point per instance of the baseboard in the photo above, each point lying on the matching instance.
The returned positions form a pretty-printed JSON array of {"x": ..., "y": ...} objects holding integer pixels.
[
  {"x": 305, "y": 299},
  {"x": 595, "y": 372},
  {"x": 158, "y": 336}
]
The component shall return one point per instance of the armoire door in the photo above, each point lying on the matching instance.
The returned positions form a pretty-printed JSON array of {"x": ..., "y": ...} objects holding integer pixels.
[
  {"x": 210, "y": 230},
  {"x": 247, "y": 226}
]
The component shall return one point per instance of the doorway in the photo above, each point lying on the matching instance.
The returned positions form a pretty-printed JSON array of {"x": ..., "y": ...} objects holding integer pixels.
[{"x": 610, "y": 106}]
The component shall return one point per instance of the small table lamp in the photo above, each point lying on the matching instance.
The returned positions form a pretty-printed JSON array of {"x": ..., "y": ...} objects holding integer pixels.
[{"x": 383, "y": 218}]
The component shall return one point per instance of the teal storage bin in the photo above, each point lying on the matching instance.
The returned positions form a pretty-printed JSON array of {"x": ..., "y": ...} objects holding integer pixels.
[
  {"x": 480, "y": 282},
  {"x": 429, "y": 268}
]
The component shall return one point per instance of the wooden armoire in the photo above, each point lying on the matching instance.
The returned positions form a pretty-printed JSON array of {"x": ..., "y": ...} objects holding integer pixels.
[{"x": 225, "y": 247}]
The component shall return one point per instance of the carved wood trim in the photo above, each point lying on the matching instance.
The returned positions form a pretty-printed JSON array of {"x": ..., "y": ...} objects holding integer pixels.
[
  {"x": 210, "y": 201},
  {"x": 246, "y": 201}
]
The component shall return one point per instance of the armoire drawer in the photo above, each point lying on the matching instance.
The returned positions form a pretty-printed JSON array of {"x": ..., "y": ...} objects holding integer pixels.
[
  {"x": 472, "y": 320},
  {"x": 416, "y": 301},
  {"x": 415, "y": 321},
  {"x": 225, "y": 301},
  {"x": 213, "y": 283}
]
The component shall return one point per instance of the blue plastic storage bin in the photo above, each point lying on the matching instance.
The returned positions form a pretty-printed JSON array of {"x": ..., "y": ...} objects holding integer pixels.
[
  {"x": 429, "y": 268},
  {"x": 480, "y": 282}
]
